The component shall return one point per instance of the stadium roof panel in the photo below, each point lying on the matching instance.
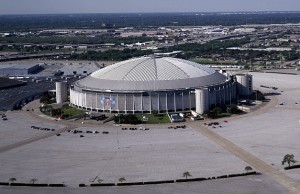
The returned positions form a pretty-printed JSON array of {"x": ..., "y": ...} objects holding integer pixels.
[
  {"x": 151, "y": 74},
  {"x": 152, "y": 68}
]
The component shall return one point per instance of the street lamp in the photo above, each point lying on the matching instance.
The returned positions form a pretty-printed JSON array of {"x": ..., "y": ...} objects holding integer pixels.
[{"x": 144, "y": 118}]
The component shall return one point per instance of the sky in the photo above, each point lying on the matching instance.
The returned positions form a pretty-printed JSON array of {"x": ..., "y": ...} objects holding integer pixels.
[{"x": 140, "y": 6}]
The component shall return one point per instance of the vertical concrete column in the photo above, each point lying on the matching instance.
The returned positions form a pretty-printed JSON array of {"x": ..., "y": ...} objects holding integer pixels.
[
  {"x": 167, "y": 102},
  {"x": 158, "y": 103},
  {"x": 133, "y": 103},
  {"x": 125, "y": 104},
  {"x": 202, "y": 100},
  {"x": 61, "y": 92}
]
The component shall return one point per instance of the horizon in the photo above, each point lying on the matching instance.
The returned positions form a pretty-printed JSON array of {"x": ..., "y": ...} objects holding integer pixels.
[
  {"x": 183, "y": 12},
  {"x": 25, "y": 7}
]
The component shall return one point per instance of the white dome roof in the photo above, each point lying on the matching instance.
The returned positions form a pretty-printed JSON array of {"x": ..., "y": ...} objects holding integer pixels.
[
  {"x": 152, "y": 68},
  {"x": 151, "y": 74}
]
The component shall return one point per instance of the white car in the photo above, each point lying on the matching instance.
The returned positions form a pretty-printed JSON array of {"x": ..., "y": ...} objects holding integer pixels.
[{"x": 198, "y": 117}]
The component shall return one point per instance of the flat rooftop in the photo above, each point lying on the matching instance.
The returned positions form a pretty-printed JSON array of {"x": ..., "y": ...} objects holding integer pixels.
[
  {"x": 8, "y": 83},
  {"x": 18, "y": 66}
]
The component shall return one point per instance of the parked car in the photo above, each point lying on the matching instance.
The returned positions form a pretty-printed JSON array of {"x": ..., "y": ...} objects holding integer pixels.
[{"x": 198, "y": 117}]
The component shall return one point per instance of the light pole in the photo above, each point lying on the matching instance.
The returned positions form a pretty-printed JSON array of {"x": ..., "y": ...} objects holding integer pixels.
[{"x": 256, "y": 95}]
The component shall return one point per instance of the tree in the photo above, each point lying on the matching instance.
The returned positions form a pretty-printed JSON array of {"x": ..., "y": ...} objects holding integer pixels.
[
  {"x": 215, "y": 112},
  {"x": 248, "y": 168},
  {"x": 122, "y": 179},
  {"x": 128, "y": 119},
  {"x": 232, "y": 108},
  {"x": 288, "y": 158},
  {"x": 34, "y": 180},
  {"x": 131, "y": 119},
  {"x": 56, "y": 112},
  {"x": 186, "y": 174},
  {"x": 46, "y": 108},
  {"x": 11, "y": 180},
  {"x": 46, "y": 98}
]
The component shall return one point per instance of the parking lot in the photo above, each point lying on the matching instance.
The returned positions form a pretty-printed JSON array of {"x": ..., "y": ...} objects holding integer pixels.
[
  {"x": 160, "y": 153},
  {"x": 138, "y": 155},
  {"x": 17, "y": 127},
  {"x": 274, "y": 133}
]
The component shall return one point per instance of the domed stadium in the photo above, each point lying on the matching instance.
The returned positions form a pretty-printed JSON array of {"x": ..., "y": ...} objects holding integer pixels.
[{"x": 147, "y": 84}]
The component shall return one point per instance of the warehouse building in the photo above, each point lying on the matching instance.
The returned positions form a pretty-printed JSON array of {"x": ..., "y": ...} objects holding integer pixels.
[{"x": 19, "y": 70}]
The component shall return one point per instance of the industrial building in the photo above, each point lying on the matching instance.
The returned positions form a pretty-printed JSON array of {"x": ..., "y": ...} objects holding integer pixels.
[
  {"x": 9, "y": 83},
  {"x": 18, "y": 70},
  {"x": 20, "y": 92},
  {"x": 161, "y": 84}
]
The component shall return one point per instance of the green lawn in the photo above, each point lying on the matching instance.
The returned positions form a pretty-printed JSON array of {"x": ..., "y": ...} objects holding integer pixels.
[
  {"x": 154, "y": 119},
  {"x": 70, "y": 111}
]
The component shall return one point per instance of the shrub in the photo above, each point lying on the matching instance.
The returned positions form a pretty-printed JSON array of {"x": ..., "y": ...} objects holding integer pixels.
[
  {"x": 222, "y": 177},
  {"x": 56, "y": 185},
  {"x": 126, "y": 119},
  {"x": 102, "y": 184},
  {"x": 292, "y": 167},
  {"x": 248, "y": 168}
]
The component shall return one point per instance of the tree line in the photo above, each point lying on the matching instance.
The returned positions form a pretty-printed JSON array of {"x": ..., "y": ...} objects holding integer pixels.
[
  {"x": 80, "y": 39},
  {"x": 113, "y": 55},
  {"x": 97, "y": 21}
]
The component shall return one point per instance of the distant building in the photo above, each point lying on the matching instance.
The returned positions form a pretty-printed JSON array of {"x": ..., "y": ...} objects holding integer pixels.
[
  {"x": 244, "y": 30},
  {"x": 131, "y": 34},
  {"x": 21, "y": 69},
  {"x": 9, "y": 83},
  {"x": 216, "y": 31}
]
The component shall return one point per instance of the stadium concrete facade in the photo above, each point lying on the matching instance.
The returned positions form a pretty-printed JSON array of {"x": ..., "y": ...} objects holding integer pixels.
[{"x": 161, "y": 84}]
